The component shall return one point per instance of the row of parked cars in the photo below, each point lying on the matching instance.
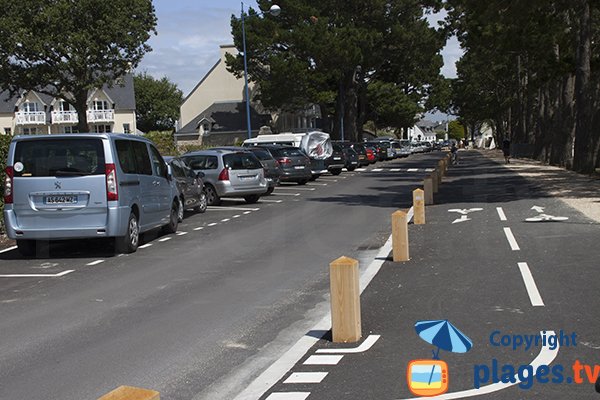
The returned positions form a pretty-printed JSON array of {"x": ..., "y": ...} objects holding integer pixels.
[{"x": 77, "y": 186}]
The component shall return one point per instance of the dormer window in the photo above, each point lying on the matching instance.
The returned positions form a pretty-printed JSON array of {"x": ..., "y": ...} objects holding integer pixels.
[
  {"x": 100, "y": 105},
  {"x": 31, "y": 107},
  {"x": 206, "y": 127}
]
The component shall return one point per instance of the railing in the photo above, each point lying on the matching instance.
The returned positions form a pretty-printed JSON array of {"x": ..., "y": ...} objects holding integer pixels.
[
  {"x": 30, "y": 117},
  {"x": 100, "y": 115},
  {"x": 64, "y": 117}
]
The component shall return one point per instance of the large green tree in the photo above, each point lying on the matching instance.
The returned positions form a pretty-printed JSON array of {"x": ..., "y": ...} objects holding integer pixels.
[
  {"x": 64, "y": 48},
  {"x": 157, "y": 103},
  {"x": 328, "y": 52}
]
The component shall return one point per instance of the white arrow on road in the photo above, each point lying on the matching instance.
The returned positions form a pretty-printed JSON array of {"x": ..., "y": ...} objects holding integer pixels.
[
  {"x": 463, "y": 218},
  {"x": 465, "y": 211},
  {"x": 538, "y": 209},
  {"x": 546, "y": 218}
]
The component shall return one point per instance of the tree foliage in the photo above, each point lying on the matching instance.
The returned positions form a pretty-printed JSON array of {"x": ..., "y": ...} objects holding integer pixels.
[
  {"x": 329, "y": 52},
  {"x": 157, "y": 103},
  {"x": 531, "y": 67},
  {"x": 64, "y": 48}
]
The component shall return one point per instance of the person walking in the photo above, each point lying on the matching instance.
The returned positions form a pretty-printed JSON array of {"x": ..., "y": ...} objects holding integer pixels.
[{"x": 506, "y": 151}]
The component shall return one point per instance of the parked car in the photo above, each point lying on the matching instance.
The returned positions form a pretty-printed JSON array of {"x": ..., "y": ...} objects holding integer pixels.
[
  {"x": 352, "y": 160},
  {"x": 269, "y": 163},
  {"x": 337, "y": 160},
  {"x": 294, "y": 163},
  {"x": 229, "y": 173},
  {"x": 362, "y": 154},
  {"x": 380, "y": 151},
  {"x": 191, "y": 187},
  {"x": 371, "y": 154},
  {"x": 87, "y": 185}
]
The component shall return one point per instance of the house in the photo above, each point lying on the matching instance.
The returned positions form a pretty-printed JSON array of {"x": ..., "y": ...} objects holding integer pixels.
[
  {"x": 214, "y": 112},
  {"x": 110, "y": 109}
]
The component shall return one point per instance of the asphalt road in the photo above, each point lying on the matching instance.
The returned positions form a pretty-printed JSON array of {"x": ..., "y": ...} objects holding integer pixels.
[
  {"x": 197, "y": 314},
  {"x": 470, "y": 264}
]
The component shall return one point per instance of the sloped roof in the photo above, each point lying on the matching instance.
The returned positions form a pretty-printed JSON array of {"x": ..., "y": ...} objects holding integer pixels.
[
  {"x": 123, "y": 96},
  {"x": 229, "y": 116}
]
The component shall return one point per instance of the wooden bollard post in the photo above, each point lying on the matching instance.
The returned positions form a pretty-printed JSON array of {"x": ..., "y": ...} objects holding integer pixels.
[
  {"x": 345, "y": 300},
  {"x": 428, "y": 188},
  {"x": 434, "y": 181},
  {"x": 400, "y": 236},
  {"x": 441, "y": 171},
  {"x": 419, "y": 206},
  {"x": 131, "y": 393}
]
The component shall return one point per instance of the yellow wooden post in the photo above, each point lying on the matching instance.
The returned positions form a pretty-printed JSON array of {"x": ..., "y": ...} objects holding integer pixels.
[
  {"x": 428, "y": 188},
  {"x": 131, "y": 393},
  {"x": 434, "y": 181},
  {"x": 419, "y": 206},
  {"x": 400, "y": 236},
  {"x": 441, "y": 172},
  {"x": 345, "y": 300}
]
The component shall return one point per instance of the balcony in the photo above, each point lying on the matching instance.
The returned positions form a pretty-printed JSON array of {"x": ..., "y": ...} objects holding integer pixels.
[
  {"x": 94, "y": 116},
  {"x": 64, "y": 117},
  {"x": 30, "y": 118}
]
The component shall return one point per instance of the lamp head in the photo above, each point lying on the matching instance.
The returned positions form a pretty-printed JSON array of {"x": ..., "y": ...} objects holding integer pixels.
[{"x": 275, "y": 10}]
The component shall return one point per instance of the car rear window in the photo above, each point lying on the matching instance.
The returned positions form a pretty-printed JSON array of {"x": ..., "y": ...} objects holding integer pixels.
[
  {"x": 291, "y": 152},
  {"x": 202, "y": 162},
  {"x": 63, "y": 157},
  {"x": 262, "y": 154},
  {"x": 241, "y": 161}
]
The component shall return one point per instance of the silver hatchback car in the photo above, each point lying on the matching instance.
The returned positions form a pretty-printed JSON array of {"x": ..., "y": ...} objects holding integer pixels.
[{"x": 229, "y": 173}]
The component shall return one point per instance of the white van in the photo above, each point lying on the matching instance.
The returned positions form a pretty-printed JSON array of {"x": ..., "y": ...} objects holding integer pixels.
[
  {"x": 86, "y": 185},
  {"x": 317, "y": 145}
]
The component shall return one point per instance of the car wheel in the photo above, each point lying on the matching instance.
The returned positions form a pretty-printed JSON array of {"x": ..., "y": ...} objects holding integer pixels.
[
  {"x": 303, "y": 182},
  {"x": 171, "y": 227},
  {"x": 212, "y": 198},
  {"x": 201, "y": 207},
  {"x": 270, "y": 190},
  {"x": 315, "y": 177},
  {"x": 350, "y": 169},
  {"x": 26, "y": 247},
  {"x": 336, "y": 171},
  {"x": 180, "y": 211},
  {"x": 252, "y": 198},
  {"x": 130, "y": 242}
]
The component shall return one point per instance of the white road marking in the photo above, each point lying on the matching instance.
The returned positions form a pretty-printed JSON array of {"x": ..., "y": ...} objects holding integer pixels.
[
  {"x": 463, "y": 218},
  {"x": 145, "y": 246},
  {"x": 546, "y": 218},
  {"x": 222, "y": 208},
  {"x": 360, "y": 169},
  {"x": 95, "y": 262},
  {"x": 38, "y": 275},
  {"x": 289, "y": 396},
  {"x": 269, "y": 201},
  {"x": 532, "y": 290},
  {"x": 285, "y": 194},
  {"x": 412, "y": 170},
  {"x": 199, "y": 228},
  {"x": 323, "y": 360},
  {"x": 306, "y": 377},
  {"x": 501, "y": 213},
  {"x": 511, "y": 239},
  {"x": 377, "y": 170},
  {"x": 395, "y": 170},
  {"x": 410, "y": 214},
  {"x": 545, "y": 357},
  {"x": 429, "y": 169},
  {"x": 181, "y": 233},
  {"x": 226, "y": 220},
  {"x": 294, "y": 188},
  {"x": 165, "y": 239},
  {"x": 8, "y": 249},
  {"x": 364, "y": 346},
  {"x": 331, "y": 179},
  {"x": 538, "y": 209},
  {"x": 316, "y": 184},
  {"x": 214, "y": 223},
  {"x": 464, "y": 211},
  {"x": 279, "y": 368},
  {"x": 236, "y": 216}
]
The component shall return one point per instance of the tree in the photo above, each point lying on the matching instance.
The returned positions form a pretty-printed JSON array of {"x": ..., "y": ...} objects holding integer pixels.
[
  {"x": 157, "y": 103},
  {"x": 64, "y": 48}
]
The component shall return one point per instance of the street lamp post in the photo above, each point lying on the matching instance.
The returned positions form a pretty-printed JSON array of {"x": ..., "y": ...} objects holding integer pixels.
[{"x": 274, "y": 11}]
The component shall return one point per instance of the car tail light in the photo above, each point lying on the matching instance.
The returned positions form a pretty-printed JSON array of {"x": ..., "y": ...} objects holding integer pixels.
[
  {"x": 112, "y": 193},
  {"x": 8, "y": 186},
  {"x": 224, "y": 175},
  {"x": 284, "y": 160}
]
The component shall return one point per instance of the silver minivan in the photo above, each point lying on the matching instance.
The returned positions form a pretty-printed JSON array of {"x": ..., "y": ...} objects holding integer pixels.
[{"x": 86, "y": 185}]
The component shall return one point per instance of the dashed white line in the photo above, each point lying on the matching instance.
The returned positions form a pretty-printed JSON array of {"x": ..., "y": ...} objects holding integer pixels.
[
  {"x": 323, "y": 360},
  {"x": 236, "y": 216},
  {"x": 360, "y": 169},
  {"x": 181, "y": 233},
  {"x": 226, "y": 220},
  {"x": 223, "y": 208},
  {"x": 532, "y": 290},
  {"x": 165, "y": 239},
  {"x": 38, "y": 275},
  {"x": 8, "y": 249},
  {"x": 270, "y": 201},
  {"x": 501, "y": 213},
  {"x": 306, "y": 377},
  {"x": 395, "y": 170},
  {"x": 199, "y": 228},
  {"x": 289, "y": 396},
  {"x": 95, "y": 262},
  {"x": 364, "y": 346},
  {"x": 294, "y": 188},
  {"x": 429, "y": 169},
  {"x": 214, "y": 223},
  {"x": 145, "y": 246},
  {"x": 377, "y": 170},
  {"x": 511, "y": 239},
  {"x": 247, "y": 212},
  {"x": 285, "y": 194},
  {"x": 316, "y": 184},
  {"x": 412, "y": 170}
]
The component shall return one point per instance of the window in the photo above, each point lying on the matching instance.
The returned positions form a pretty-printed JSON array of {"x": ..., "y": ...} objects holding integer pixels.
[
  {"x": 142, "y": 160},
  {"x": 64, "y": 106},
  {"x": 100, "y": 105},
  {"x": 102, "y": 129},
  {"x": 29, "y": 131},
  {"x": 177, "y": 169},
  {"x": 30, "y": 107},
  {"x": 241, "y": 161},
  {"x": 159, "y": 168},
  {"x": 70, "y": 129},
  {"x": 133, "y": 157},
  {"x": 65, "y": 157},
  {"x": 126, "y": 128},
  {"x": 7, "y": 131}
]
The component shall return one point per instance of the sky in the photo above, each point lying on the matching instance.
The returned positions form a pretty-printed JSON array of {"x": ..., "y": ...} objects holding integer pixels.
[{"x": 189, "y": 33}]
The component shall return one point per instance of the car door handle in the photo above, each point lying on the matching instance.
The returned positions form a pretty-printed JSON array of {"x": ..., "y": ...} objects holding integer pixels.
[{"x": 156, "y": 183}]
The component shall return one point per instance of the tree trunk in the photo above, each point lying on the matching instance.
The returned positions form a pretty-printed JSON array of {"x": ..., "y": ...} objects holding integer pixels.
[
  {"x": 81, "y": 108},
  {"x": 583, "y": 160}
]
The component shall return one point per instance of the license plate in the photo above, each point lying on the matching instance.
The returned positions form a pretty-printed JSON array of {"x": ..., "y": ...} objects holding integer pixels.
[
  {"x": 247, "y": 177},
  {"x": 62, "y": 199},
  {"x": 299, "y": 167},
  {"x": 337, "y": 158}
]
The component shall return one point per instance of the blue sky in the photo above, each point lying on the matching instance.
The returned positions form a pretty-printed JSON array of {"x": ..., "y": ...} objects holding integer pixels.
[{"x": 189, "y": 35}]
